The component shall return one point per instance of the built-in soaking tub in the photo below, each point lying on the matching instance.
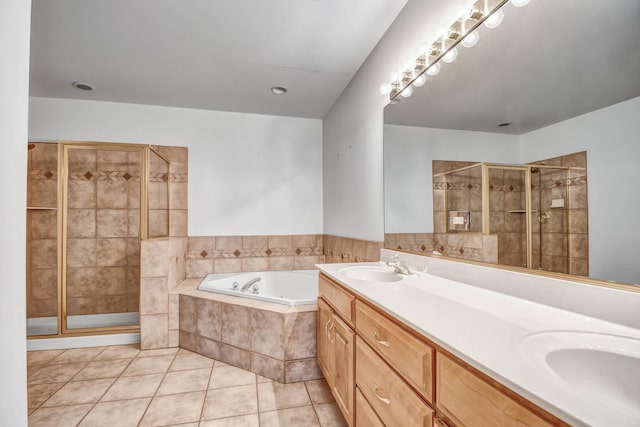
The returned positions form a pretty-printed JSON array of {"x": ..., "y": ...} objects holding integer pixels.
[
  {"x": 271, "y": 332},
  {"x": 296, "y": 287}
]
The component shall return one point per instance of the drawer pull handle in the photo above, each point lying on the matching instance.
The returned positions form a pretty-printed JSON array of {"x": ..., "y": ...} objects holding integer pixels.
[
  {"x": 329, "y": 332},
  {"x": 382, "y": 399},
  {"x": 380, "y": 340},
  {"x": 326, "y": 327}
]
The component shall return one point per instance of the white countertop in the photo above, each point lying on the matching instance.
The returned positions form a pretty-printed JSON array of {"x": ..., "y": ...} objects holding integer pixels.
[{"x": 485, "y": 329}]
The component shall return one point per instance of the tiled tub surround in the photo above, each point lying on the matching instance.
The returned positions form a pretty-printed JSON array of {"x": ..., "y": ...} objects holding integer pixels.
[
  {"x": 272, "y": 340},
  {"x": 166, "y": 262}
]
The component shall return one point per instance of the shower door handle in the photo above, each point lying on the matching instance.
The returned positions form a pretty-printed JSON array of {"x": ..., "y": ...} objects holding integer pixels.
[{"x": 543, "y": 218}]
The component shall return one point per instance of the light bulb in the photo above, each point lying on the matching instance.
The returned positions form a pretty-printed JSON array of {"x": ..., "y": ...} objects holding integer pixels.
[
  {"x": 423, "y": 50},
  {"x": 396, "y": 76},
  {"x": 407, "y": 92},
  {"x": 385, "y": 88},
  {"x": 408, "y": 64},
  {"x": 450, "y": 56},
  {"x": 420, "y": 80},
  {"x": 519, "y": 3},
  {"x": 471, "y": 39},
  {"x": 434, "y": 69},
  {"x": 495, "y": 19}
]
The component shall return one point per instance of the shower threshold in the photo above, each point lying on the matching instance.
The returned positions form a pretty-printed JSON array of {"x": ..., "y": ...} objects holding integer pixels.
[{"x": 49, "y": 325}]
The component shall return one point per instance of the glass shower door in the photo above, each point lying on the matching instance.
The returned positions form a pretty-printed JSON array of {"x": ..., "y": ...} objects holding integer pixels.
[
  {"x": 101, "y": 236},
  {"x": 549, "y": 219}
]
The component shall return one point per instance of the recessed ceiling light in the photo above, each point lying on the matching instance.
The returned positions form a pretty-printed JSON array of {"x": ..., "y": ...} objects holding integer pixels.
[
  {"x": 82, "y": 86},
  {"x": 279, "y": 90},
  {"x": 505, "y": 124}
]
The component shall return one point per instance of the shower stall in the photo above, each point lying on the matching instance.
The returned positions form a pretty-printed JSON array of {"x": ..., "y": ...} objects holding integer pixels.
[
  {"x": 88, "y": 207},
  {"x": 528, "y": 209}
]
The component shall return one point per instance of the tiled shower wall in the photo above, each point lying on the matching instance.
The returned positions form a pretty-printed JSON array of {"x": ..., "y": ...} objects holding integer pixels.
[
  {"x": 103, "y": 222},
  {"x": 42, "y": 182},
  {"x": 465, "y": 193},
  {"x": 103, "y": 225},
  {"x": 564, "y": 239}
]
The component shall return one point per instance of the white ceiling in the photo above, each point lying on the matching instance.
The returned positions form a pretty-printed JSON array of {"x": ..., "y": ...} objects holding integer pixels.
[
  {"x": 206, "y": 54},
  {"x": 547, "y": 62}
]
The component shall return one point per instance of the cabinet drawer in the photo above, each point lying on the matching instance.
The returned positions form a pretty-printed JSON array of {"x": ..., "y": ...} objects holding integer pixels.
[
  {"x": 365, "y": 415},
  {"x": 469, "y": 401},
  {"x": 412, "y": 358},
  {"x": 391, "y": 398},
  {"x": 341, "y": 300}
]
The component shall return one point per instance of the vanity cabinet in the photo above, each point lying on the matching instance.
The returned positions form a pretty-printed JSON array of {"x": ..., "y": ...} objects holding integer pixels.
[
  {"x": 386, "y": 374},
  {"x": 336, "y": 344},
  {"x": 469, "y": 401}
]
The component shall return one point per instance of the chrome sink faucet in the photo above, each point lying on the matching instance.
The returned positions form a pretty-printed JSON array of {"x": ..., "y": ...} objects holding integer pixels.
[
  {"x": 398, "y": 265},
  {"x": 247, "y": 285}
]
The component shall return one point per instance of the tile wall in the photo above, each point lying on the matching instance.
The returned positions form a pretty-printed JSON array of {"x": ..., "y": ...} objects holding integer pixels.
[
  {"x": 166, "y": 262},
  {"x": 274, "y": 341},
  {"x": 103, "y": 223},
  {"x": 103, "y": 252},
  {"x": 228, "y": 254},
  {"x": 564, "y": 239},
  {"x": 42, "y": 189}
]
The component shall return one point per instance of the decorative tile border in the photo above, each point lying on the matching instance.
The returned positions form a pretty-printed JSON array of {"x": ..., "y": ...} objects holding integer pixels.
[{"x": 210, "y": 253}]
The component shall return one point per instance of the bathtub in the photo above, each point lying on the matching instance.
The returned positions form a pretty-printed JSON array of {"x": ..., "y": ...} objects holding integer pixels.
[{"x": 295, "y": 287}]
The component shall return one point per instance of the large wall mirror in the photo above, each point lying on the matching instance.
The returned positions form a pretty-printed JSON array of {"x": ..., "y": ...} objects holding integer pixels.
[{"x": 557, "y": 81}]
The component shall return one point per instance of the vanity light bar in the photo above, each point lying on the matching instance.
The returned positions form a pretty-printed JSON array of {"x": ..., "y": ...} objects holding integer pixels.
[{"x": 444, "y": 48}]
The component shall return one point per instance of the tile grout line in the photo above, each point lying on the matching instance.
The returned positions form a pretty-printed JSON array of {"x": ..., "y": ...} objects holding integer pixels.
[{"x": 155, "y": 393}]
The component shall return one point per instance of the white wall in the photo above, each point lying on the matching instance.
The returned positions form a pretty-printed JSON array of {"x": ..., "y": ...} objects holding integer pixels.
[
  {"x": 15, "y": 19},
  {"x": 352, "y": 130},
  {"x": 248, "y": 173},
  {"x": 408, "y": 152},
  {"x": 611, "y": 137}
]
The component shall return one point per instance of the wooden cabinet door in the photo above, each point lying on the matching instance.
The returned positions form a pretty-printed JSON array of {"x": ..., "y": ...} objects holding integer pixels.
[
  {"x": 323, "y": 344},
  {"x": 342, "y": 340}
]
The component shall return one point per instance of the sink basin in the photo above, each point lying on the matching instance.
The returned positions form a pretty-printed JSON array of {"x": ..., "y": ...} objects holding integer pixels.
[
  {"x": 371, "y": 273},
  {"x": 603, "y": 368}
]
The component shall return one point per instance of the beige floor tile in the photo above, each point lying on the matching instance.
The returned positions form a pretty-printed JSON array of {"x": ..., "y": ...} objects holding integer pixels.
[
  {"x": 276, "y": 395},
  {"x": 184, "y": 361},
  {"x": 34, "y": 367},
  {"x": 79, "y": 392},
  {"x": 251, "y": 420},
  {"x": 133, "y": 387},
  {"x": 73, "y": 355},
  {"x": 38, "y": 393},
  {"x": 42, "y": 356},
  {"x": 102, "y": 369},
  {"x": 230, "y": 402},
  {"x": 329, "y": 415},
  {"x": 261, "y": 379},
  {"x": 148, "y": 365},
  {"x": 229, "y": 376},
  {"x": 123, "y": 413},
  {"x": 174, "y": 409},
  {"x": 116, "y": 352},
  {"x": 303, "y": 416},
  {"x": 217, "y": 364},
  {"x": 159, "y": 352},
  {"x": 185, "y": 425},
  {"x": 319, "y": 391},
  {"x": 62, "y": 416},
  {"x": 56, "y": 373},
  {"x": 185, "y": 381}
]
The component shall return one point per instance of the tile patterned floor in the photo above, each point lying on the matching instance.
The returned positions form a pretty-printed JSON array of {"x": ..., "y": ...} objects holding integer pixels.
[{"x": 121, "y": 386}]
